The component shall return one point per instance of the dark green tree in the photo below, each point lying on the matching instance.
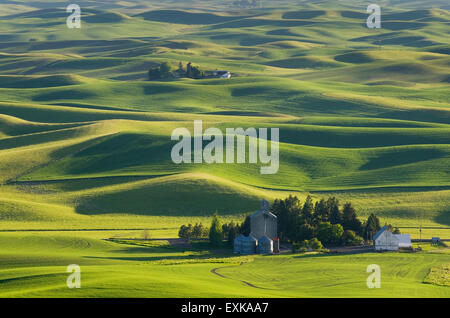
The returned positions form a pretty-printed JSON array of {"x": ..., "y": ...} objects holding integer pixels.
[
  {"x": 154, "y": 74},
  {"x": 230, "y": 231},
  {"x": 189, "y": 70},
  {"x": 288, "y": 212},
  {"x": 350, "y": 219},
  {"x": 329, "y": 233},
  {"x": 215, "y": 231},
  {"x": 199, "y": 231},
  {"x": 186, "y": 231},
  {"x": 321, "y": 211},
  {"x": 245, "y": 229},
  {"x": 315, "y": 244},
  {"x": 371, "y": 227},
  {"x": 308, "y": 210},
  {"x": 350, "y": 238},
  {"x": 165, "y": 69},
  {"x": 335, "y": 212},
  {"x": 305, "y": 232}
]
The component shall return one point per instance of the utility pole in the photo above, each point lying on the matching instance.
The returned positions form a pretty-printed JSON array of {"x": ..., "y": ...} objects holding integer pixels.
[{"x": 420, "y": 233}]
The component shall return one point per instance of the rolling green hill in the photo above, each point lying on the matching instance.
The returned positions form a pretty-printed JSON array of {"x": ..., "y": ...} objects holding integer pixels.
[{"x": 363, "y": 114}]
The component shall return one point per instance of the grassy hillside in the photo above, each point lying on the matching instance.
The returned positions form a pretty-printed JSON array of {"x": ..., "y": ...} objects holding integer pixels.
[
  {"x": 158, "y": 270},
  {"x": 363, "y": 114}
]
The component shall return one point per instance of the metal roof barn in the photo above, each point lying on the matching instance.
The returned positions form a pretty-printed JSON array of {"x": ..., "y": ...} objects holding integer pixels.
[
  {"x": 265, "y": 245},
  {"x": 263, "y": 223},
  {"x": 249, "y": 244},
  {"x": 238, "y": 244}
]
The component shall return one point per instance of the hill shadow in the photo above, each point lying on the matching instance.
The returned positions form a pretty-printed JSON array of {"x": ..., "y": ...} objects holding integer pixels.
[{"x": 443, "y": 217}]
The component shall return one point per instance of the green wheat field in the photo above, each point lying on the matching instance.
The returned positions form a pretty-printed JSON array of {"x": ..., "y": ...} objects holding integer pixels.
[{"x": 364, "y": 115}]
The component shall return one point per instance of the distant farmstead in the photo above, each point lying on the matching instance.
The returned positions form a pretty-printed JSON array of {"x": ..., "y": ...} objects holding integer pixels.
[
  {"x": 222, "y": 74},
  {"x": 263, "y": 238}
]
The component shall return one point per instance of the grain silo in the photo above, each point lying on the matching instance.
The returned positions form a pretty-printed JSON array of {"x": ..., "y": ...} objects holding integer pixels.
[
  {"x": 238, "y": 244},
  {"x": 265, "y": 245},
  {"x": 248, "y": 245},
  {"x": 263, "y": 222}
]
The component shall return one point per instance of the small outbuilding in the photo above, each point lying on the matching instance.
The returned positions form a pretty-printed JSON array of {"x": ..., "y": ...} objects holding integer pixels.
[
  {"x": 404, "y": 240},
  {"x": 238, "y": 244},
  {"x": 384, "y": 240},
  {"x": 249, "y": 245},
  {"x": 265, "y": 245},
  {"x": 435, "y": 240}
]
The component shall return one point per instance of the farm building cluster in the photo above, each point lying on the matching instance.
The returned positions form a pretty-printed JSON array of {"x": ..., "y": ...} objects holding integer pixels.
[
  {"x": 385, "y": 240},
  {"x": 263, "y": 238}
]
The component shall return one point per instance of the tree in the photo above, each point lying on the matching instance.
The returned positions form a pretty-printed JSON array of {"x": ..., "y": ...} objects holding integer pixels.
[
  {"x": 154, "y": 73},
  {"x": 350, "y": 238},
  {"x": 336, "y": 234},
  {"x": 164, "y": 69},
  {"x": 371, "y": 227},
  {"x": 321, "y": 211},
  {"x": 182, "y": 231},
  {"x": 215, "y": 231},
  {"x": 350, "y": 220},
  {"x": 308, "y": 210},
  {"x": 186, "y": 231},
  {"x": 189, "y": 69},
  {"x": 245, "y": 229},
  {"x": 335, "y": 213},
  {"x": 198, "y": 231},
  {"x": 288, "y": 212},
  {"x": 315, "y": 244},
  {"x": 305, "y": 232},
  {"x": 329, "y": 233},
  {"x": 230, "y": 231}
]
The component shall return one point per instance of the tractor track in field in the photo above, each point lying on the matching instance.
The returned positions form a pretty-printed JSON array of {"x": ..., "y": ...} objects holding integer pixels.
[{"x": 214, "y": 271}]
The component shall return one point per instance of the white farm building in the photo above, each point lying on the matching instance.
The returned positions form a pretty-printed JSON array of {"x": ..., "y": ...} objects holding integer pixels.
[
  {"x": 222, "y": 74},
  {"x": 384, "y": 240},
  {"x": 404, "y": 240}
]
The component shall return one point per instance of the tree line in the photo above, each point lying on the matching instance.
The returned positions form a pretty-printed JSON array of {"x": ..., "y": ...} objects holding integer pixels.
[
  {"x": 306, "y": 225},
  {"x": 165, "y": 71},
  {"x": 324, "y": 220},
  {"x": 217, "y": 233}
]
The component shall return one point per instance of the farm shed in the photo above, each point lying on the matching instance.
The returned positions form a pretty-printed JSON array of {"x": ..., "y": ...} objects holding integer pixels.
[
  {"x": 238, "y": 244},
  {"x": 404, "y": 240},
  {"x": 384, "y": 240},
  {"x": 265, "y": 245},
  {"x": 435, "y": 240},
  {"x": 248, "y": 245}
]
